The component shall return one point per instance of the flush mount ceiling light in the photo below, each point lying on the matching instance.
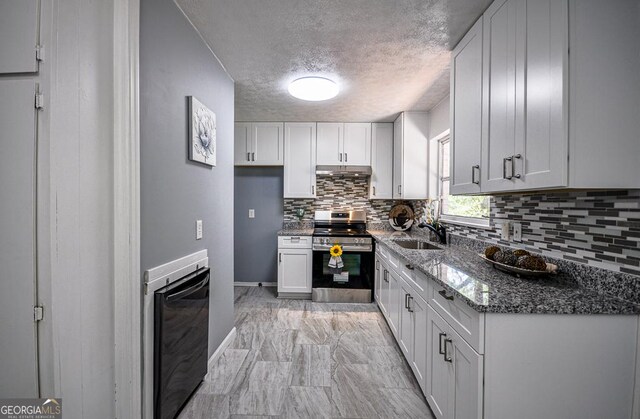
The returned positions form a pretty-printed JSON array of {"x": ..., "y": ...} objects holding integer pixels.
[{"x": 313, "y": 88}]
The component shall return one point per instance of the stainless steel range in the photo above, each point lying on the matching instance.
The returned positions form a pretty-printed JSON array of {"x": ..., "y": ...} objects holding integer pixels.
[{"x": 353, "y": 281}]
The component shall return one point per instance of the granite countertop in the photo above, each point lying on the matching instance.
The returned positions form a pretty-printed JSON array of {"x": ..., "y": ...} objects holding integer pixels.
[
  {"x": 489, "y": 290},
  {"x": 296, "y": 232}
]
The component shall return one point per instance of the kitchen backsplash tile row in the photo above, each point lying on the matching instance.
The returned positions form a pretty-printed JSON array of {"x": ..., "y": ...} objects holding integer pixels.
[
  {"x": 343, "y": 192},
  {"x": 597, "y": 228}
]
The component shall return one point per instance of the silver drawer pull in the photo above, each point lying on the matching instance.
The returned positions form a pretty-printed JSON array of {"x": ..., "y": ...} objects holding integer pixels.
[
  {"x": 473, "y": 174},
  {"x": 447, "y": 358},
  {"x": 410, "y": 267},
  {"x": 440, "y": 350},
  {"x": 406, "y": 301},
  {"x": 409, "y": 306},
  {"x": 513, "y": 166},
  {"x": 444, "y": 294}
]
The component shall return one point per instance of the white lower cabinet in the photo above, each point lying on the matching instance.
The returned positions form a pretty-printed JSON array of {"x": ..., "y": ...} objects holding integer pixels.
[
  {"x": 412, "y": 336},
  {"x": 454, "y": 385},
  {"x": 294, "y": 266},
  {"x": 473, "y": 365}
]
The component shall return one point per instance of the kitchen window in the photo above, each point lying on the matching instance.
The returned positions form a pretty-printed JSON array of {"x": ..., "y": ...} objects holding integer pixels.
[{"x": 472, "y": 210}]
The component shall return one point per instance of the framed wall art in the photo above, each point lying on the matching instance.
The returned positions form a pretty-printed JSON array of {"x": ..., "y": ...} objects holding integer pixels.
[{"x": 202, "y": 133}]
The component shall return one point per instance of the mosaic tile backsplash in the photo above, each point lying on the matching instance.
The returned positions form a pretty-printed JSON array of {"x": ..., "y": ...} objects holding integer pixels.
[
  {"x": 597, "y": 228},
  {"x": 342, "y": 192}
]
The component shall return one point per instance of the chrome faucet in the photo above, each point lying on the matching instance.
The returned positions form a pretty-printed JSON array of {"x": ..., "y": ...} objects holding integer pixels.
[{"x": 440, "y": 231}]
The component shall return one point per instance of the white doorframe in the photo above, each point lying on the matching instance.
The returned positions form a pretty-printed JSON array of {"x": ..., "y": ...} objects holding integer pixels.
[{"x": 127, "y": 279}]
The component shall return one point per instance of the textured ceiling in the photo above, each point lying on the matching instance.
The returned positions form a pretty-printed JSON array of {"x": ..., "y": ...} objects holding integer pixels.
[{"x": 387, "y": 56}]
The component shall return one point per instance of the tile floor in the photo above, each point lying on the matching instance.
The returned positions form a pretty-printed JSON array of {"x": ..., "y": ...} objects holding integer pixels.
[{"x": 299, "y": 359}]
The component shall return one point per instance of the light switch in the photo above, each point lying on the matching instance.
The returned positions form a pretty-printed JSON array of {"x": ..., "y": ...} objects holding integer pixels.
[
  {"x": 517, "y": 232},
  {"x": 252, "y": 213},
  {"x": 198, "y": 229},
  {"x": 505, "y": 231}
]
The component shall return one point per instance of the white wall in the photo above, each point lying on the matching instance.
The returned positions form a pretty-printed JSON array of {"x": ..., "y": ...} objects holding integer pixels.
[
  {"x": 438, "y": 126},
  {"x": 77, "y": 346},
  {"x": 439, "y": 118}
]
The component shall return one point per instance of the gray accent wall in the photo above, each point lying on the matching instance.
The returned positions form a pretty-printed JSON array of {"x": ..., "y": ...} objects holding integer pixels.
[
  {"x": 175, "y": 192},
  {"x": 255, "y": 241}
]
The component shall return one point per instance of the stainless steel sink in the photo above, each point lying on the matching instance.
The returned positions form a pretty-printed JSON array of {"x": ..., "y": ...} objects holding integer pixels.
[{"x": 416, "y": 244}]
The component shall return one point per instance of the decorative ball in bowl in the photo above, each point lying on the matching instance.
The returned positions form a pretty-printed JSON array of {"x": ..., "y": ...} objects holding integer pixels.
[{"x": 519, "y": 262}]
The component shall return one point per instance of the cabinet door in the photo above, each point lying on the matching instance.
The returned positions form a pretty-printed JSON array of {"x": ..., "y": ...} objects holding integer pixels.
[
  {"x": 330, "y": 143},
  {"x": 466, "y": 112},
  {"x": 405, "y": 322},
  {"x": 299, "y": 160},
  {"x": 420, "y": 349},
  {"x": 267, "y": 141},
  {"x": 18, "y": 344},
  {"x": 384, "y": 290},
  {"x": 242, "y": 143},
  {"x": 543, "y": 144},
  {"x": 499, "y": 95},
  {"x": 440, "y": 384},
  {"x": 393, "y": 305},
  {"x": 398, "y": 134},
  {"x": 381, "y": 185},
  {"x": 377, "y": 279},
  {"x": 468, "y": 376},
  {"x": 18, "y": 36},
  {"x": 294, "y": 270},
  {"x": 357, "y": 144},
  {"x": 415, "y": 156}
]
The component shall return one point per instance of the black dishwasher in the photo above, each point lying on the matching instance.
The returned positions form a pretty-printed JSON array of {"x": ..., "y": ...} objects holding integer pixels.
[{"x": 181, "y": 335}]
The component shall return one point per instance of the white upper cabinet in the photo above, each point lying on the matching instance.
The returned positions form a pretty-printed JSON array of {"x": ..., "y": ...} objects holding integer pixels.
[
  {"x": 381, "y": 185},
  {"x": 357, "y": 144},
  {"x": 259, "y": 144},
  {"x": 329, "y": 145},
  {"x": 466, "y": 112},
  {"x": 18, "y": 36},
  {"x": 300, "y": 160},
  {"x": 410, "y": 156},
  {"x": 344, "y": 144},
  {"x": 524, "y": 137},
  {"x": 550, "y": 119}
]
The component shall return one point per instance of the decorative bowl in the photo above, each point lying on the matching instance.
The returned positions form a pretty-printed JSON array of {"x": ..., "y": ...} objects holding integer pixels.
[{"x": 551, "y": 268}]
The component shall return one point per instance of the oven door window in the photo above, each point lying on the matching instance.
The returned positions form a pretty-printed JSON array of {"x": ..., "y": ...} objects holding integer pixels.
[{"x": 354, "y": 274}]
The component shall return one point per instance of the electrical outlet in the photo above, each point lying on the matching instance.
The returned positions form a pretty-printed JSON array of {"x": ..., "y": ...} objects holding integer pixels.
[
  {"x": 505, "y": 232},
  {"x": 517, "y": 232},
  {"x": 252, "y": 213},
  {"x": 198, "y": 229}
]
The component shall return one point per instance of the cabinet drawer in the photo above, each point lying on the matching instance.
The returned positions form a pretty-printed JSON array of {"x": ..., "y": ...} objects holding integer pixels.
[
  {"x": 294, "y": 242},
  {"x": 417, "y": 280},
  {"x": 463, "y": 319}
]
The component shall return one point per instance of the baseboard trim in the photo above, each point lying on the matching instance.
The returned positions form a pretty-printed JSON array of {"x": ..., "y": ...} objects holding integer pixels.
[
  {"x": 254, "y": 284},
  {"x": 224, "y": 345}
]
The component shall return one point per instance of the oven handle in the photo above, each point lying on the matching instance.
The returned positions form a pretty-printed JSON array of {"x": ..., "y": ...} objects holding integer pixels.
[
  {"x": 366, "y": 249},
  {"x": 188, "y": 291}
]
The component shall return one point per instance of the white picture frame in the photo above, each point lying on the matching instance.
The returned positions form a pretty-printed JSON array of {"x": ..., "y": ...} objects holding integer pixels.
[{"x": 202, "y": 133}]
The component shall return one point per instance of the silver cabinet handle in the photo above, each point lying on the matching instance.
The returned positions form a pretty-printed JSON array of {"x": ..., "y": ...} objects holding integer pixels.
[
  {"x": 374, "y": 191},
  {"x": 406, "y": 301},
  {"x": 377, "y": 265},
  {"x": 346, "y": 158},
  {"x": 340, "y": 158},
  {"x": 411, "y": 310},
  {"x": 253, "y": 156},
  {"x": 248, "y": 156},
  {"x": 399, "y": 189},
  {"x": 473, "y": 174},
  {"x": 385, "y": 276},
  {"x": 447, "y": 358},
  {"x": 504, "y": 168},
  {"x": 513, "y": 166},
  {"x": 279, "y": 257},
  {"x": 313, "y": 190},
  {"x": 444, "y": 294},
  {"x": 440, "y": 336}
]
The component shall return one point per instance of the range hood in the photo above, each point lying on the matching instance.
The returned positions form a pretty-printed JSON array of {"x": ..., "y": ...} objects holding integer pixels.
[{"x": 344, "y": 170}]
